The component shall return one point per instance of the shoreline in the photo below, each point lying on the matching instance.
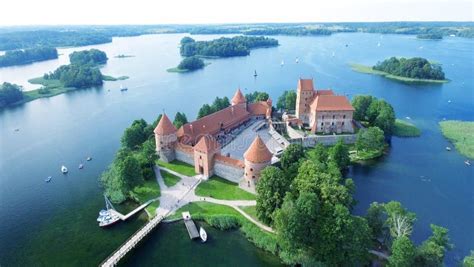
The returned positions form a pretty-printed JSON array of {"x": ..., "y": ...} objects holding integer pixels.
[{"x": 368, "y": 70}]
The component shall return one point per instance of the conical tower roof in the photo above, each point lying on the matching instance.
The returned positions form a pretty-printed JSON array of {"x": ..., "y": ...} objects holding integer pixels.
[
  {"x": 238, "y": 98},
  {"x": 207, "y": 143},
  {"x": 165, "y": 126},
  {"x": 258, "y": 152}
]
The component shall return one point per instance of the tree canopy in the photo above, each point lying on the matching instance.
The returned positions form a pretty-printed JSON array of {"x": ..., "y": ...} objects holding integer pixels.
[
  {"x": 256, "y": 96},
  {"x": 26, "y": 56},
  {"x": 271, "y": 189},
  {"x": 9, "y": 94},
  {"x": 339, "y": 154},
  {"x": 377, "y": 112},
  {"x": 287, "y": 101},
  {"x": 218, "y": 104},
  {"x": 191, "y": 63},
  {"x": 416, "y": 67},
  {"x": 180, "y": 119},
  {"x": 76, "y": 76},
  {"x": 91, "y": 57}
]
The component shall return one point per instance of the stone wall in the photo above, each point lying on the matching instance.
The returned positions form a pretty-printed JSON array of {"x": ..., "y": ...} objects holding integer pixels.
[
  {"x": 228, "y": 172},
  {"x": 184, "y": 156},
  {"x": 312, "y": 140}
]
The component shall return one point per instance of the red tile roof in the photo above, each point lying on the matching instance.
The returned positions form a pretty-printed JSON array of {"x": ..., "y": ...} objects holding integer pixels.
[
  {"x": 259, "y": 108},
  {"x": 229, "y": 161},
  {"x": 331, "y": 103},
  {"x": 258, "y": 152},
  {"x": 165, "y": 127},
  {"x": 305, "y": 84},
  {"x": 324, "y": 92},
  {"x": 207, "y": 144},
  {"x": 211, "y": 124},
  {"x": 238, "y": 98}
]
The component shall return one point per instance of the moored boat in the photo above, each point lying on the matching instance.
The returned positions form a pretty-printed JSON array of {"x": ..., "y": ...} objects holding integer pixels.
[
  {"x": 48, "y": 179},
  {"x": 81, "y": 166},
  {"x": 64, "y": 169},
  {"x": 203, "y": 234},
  {"x": 108, "y": 216},
  {"x": 467, "y": 162}
]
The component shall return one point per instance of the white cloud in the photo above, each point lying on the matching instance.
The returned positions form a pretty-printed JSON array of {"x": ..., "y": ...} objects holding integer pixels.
[{"x": 23, "y": 12}]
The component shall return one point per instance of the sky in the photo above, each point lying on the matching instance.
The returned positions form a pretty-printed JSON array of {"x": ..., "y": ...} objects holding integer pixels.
[{"x": 54, "y": 12}]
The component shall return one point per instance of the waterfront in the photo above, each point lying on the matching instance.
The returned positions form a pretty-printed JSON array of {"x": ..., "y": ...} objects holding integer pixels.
[{"x": 55, "y": 223}]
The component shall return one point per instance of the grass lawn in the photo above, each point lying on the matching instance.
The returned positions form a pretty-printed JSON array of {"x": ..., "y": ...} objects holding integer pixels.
[
  {"x": 146, "y": 191},
  {"x": 178, "y": 70},
  {"x": 221, "y": 188},
  {"x": 250, "y": 210},
  {"x": 369, "y": 70},
  {"x": 110, "y": 78},
  {"x": 169, "y": 179},
  {"x": 202, "y": 209},
  {"x": 178, "y": 166},
  {"x": 405, "y": 129},
  {"x": 461, "y": 134}
]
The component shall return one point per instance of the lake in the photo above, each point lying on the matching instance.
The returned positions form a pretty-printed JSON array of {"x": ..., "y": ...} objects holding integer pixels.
[{"x": 54, "y": 223}]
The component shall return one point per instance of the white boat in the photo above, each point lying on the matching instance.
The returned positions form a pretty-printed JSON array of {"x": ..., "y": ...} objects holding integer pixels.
[
  {"x": 203, "y": 234},
  {"x": 89, "y": 159},
  {"x": 108, "y": 216},
  {"x": 282, "y": 63},
  {"x": 64, "y": 169},
  {"x": 48, "y": 179},
  {"x": 81, "y": 166},
  {"x": 448, "y": 148},
  {"x": 297, "y": 60},
  {"x": 123, "y": 88},
  {"x": 467, "y": 162}
]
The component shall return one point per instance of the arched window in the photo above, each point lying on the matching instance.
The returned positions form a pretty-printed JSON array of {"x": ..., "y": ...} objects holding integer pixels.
[
  {"x": 332, "y": 123},
  {"x": 344, "y": 116},
  {"x": 333, "y": 117},
  {"x": 251, "y": 169}
]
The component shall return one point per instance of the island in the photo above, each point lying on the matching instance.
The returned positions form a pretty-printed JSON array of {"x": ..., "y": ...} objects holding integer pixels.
[
  {"x": 430, "y": 36},
  {"x": 188, "y": 64},
  {"x": 411, "y": 70},
  {"x": 123, "y": 56},
  {"x": 461, "y": 134},
  {"x": 27, "y": 56}
]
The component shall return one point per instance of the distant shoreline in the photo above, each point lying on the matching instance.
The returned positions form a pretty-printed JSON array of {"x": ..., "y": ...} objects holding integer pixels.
[{"x": 368, "y": 70}]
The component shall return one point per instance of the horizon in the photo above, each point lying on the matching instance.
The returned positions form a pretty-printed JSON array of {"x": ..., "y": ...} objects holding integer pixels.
[{"x": 206, "y": 12}]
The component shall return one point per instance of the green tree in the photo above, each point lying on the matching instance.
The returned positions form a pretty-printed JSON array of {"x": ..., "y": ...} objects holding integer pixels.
[
  {"x": 370, "y": 140},
  {"x": 290, "y": 159},
  {"x": 180, "y": 119},
  {"x": 403, "y": 253},
  {"x": 191, "y": 63},
  {"x": 92, "y": 57},
  {"x": 399, "y": 220},
  {"x": 256, "y": 96},
  {"x": 376, "y": 219},
  {"x": 432, "y": 251},
  {"x": 9, "y": 94},
  {"x": 319, "y": 153},
  {"x": 204, "y": 111},
  {"x": 135, "y": 135},
  {"x": 129, "y": 168},
  {"x": 339, "y": 153},
  {"x": 361, "y": 103},
  {"x": 385, "y": 119},
  {"x": 287, "y": 101},
  {"x": 468, "y": 260},
  {"x": 271, "y": 190}
]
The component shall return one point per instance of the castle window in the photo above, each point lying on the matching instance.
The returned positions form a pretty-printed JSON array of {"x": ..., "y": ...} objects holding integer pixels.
[
  {"x": 332, "y": 123},
  {"x": 344, "y": 116},
  {"x": 323, "y": 117},
  {"x": 333, "y": 117},
  {"x": 253, "y": 176},
  {"x": 251, "y": 169},
  {"x": 342, "y": 123},
  {"x": 161, "y": 142},
  {"x": 200, "y": 157},
  {"x": 322, "y": 123},
  {"x": 246, "y": 174}
]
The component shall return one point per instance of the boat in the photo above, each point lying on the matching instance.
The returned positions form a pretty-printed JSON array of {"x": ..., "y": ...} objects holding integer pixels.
[
  {"x": 448, "y": 148},
  {"x": 203, "y": 234},
  {"x": 333, "y": 54},
  {"x": 408, "y": 118},
  {"x": 297, "y": 60},
  {"x": 64, "y": 169},
  {"x": 81, "y": 166},
  {"x": 452, "y": 35},
  {"x": 449, "y": 101},
  {"x": 378, "y": 45},
  {"x": 17, "y": 129},
  {"x": 255, "y": 73},
  {"x": 107, "y": 217},
  {"x": 89, "y": 159},
  {"x": 282, "y": 63},
  {"x": 48, "y": 179},
  {"x": 123, "y": 88},
  {"x": 467, "y": 162}
]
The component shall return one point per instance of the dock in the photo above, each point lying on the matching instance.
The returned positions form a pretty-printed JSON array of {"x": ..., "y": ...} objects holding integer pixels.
[{"x": 190, "y": 225}]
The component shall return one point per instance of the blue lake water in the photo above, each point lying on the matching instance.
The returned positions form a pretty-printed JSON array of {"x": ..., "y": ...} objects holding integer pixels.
[{"x": 53, "y": 224}]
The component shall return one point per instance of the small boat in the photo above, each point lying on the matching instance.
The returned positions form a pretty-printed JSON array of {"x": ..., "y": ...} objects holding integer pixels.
[
  {"x": 297, "y": 60},
  {"x": 378, "y": 45},
  {"x": 64, "y": 169},
  {"x": 17, "y": 129},
  {"x": 452, "y": 35},
  {"x": 108, "y": 216},
  {"x": 89, "y": 159},
  {"x": 333, "y": 54},
  {"x": 448, "y": 148},
  {"x": 255, "y": 73},
  {"x": 81, "y": 166},
  {"x": 282, "y": 63},
  {"x": 123, "y": 88},
  {"x": 408, "y": 118},
  {"x": 48, "y": 179},
  {"x": 449, "y": 101},
  {"x": 203, "y": 234},
  {"x": 467, "y": 162}
]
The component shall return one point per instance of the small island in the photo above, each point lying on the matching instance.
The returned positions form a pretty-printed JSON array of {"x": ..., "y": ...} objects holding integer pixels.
[
  {"x": 410, "y": 70},
  {"x": 193, "y": 51},
  {"x": 27, "y": 56},
  {"x": 430, "y": 36},
  {"x": 123, "y": 56},
  {"x": 461, "y": 134}
]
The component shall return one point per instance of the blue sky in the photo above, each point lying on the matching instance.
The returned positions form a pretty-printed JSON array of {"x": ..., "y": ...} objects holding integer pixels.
[{"x": 47, "y": 12}]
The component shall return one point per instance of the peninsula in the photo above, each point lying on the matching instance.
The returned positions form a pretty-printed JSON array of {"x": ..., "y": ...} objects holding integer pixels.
[
  {"x": 27, "y": 56},
  {"x": 410, "y": 70}
]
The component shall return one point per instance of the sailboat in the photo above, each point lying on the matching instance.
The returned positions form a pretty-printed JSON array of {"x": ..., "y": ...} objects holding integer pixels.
[
  {"x": 123, "y": 88},
  {"x": 378, "y": 44},
  {"x": 255, "y": 73},
  {"x": 203, "y": 234},
  {"x": 297, "y": 60},
  {"x": 282, "y": 63},
  {"x": 108, "y": 216}
]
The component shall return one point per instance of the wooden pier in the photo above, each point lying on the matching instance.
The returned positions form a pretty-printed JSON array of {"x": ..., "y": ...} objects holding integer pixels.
[{"x": 190, "y": 225}]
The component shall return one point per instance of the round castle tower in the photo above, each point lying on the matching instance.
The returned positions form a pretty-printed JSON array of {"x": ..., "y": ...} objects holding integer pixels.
[
  {"x": 239, "y": 99},
  {"x": 165, "y": 139},
  {"x": 256, "y": 158}
]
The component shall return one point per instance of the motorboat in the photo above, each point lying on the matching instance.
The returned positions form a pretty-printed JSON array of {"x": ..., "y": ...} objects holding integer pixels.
[
  {"x": 255, "y": 73},
  {"x": 448, "y": 148},
  {"x": 282, "y": 63},
  {"x": 467, "y": 162},
  {"x": 203, "y": 234},
  {"x": 89, "y": 159},
  {"x": 81, "y": 166},
  {"x": 64, "y": 169},
  {"x": 108, "y": 216},
  {"x": 48, "y": 179},
  {"x": 297, "y": 60}
]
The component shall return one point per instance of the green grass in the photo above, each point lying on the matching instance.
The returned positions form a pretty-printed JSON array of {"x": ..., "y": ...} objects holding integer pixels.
[
  {"x": 461, "y": 134},
  {"x": 110, "y": 78},
  {"x": 177, "y": 70},
  {"x": 251, "y": 211},
  {"x": 369, "y": 70},
  {"x": 405, "y": 129},
  {"x": 169, "y": 179},
  {"x": 220, "y": 188},
  {"x": 146, "y": 191},
  {"x": 202, "y": 209},
  {"x": 178, "y": 166}
]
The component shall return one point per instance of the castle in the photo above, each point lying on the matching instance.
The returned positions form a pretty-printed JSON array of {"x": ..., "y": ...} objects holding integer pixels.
[
  {"x": 321, "y": 110},
  {"x": 199, "y": 142}
]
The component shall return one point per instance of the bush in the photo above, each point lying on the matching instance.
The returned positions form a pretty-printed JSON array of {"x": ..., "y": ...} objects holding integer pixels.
[
  {"x": 191, "y": 63},
  {"x": 265, "y": 241},
  {"x": 223, "y": 222}
]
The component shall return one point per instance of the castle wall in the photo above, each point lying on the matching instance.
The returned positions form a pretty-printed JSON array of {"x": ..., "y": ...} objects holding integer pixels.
[
  {"x": 327, "y": 140},
  {"x": 331, "y": 122},
  {"x": 228, "y": 172},
  {"x": 184, "y": 156},
  {"x": 252, "y": 173},
  {"x": 303, "y": 102}
]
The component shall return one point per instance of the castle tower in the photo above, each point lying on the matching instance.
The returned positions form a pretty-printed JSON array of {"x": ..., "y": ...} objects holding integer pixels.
[
  {"x": 239, "y": 99},
  {"x": 268, "y": 115},
  {"x": 204, "y": 152},
  {"x": 304, "y": 97},
  {"x": 165, "y": 139},
  {"x": 256, "y": 158}
]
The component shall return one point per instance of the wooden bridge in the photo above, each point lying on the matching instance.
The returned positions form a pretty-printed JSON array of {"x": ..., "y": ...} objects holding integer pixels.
[{"x": 133, "y": 212}]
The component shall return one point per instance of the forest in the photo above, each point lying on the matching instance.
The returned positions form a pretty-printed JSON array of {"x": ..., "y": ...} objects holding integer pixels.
[
  {"x": 416, "y": 67},
  {"x": 26, "y": 56},
  {"x": 91, "y": 57},
  {"x": 191, "y": 63},
  {"x": 77, "y": 76},
  {"x": 224, "y": 47},
  {"x": 9, "y": 94}
]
